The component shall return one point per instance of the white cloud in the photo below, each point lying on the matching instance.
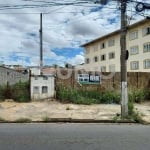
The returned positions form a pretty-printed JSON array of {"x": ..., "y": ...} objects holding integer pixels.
[{"x": 63, "y": 26}]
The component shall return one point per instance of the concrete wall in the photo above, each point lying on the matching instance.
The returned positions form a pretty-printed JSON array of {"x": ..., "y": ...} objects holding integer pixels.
[{"x": 10, "y": 76}]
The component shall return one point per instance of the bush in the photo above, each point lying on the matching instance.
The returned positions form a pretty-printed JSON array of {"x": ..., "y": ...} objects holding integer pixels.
[
  {"x": 147, "y": 94},
  {"x": 110, "y": 97},
  {"x": 134, "y": 114},
  {"x": 86, "y": 97},
  {"x": 19, "y": 92},
  {"x": 138, "y": 95},
  {"x": 5, "y": 92}
]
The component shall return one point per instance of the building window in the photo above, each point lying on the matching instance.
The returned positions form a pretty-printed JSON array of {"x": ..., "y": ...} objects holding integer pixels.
[
  {"x": 87, "y": 50},
  {"x": 111, "y": 42},
  {"x": 134, "y": 65},
  {"x": 112, "y": 68},
  {"x": 146, "y": 31},
  {"x": 146, "y": 47},
  {"x": 103, "y": 57},
  {"x": 111, "y": 55},
  {"x": 45, "y": 78},
  {"x": 103, "y": 68},
  {"x": 44, "y": 89},
  {"x": 102, "y": 46},
  {"x": 134, "y": 50},
  {"x": 35, "y": 90},
  {"x": 133, "y": 35},
  {"x": 95, "y": 59},
  {"x": 147, "y": 64},
  {"x": 87, "y": 61},
  {"x": 95, "y": 47}
]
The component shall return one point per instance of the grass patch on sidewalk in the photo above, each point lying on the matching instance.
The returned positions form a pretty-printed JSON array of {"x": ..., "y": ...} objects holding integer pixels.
[
  {"x": 45, "y": 119},
  {"x": 133, "y": 115},
  {"x": 2, "y": 120}
]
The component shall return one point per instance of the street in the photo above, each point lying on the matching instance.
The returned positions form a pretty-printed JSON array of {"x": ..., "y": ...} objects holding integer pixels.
[{"x": 67, "y": 136}]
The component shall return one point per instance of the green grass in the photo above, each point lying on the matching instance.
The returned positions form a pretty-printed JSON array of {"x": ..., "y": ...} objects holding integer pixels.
[
  {"x": 86, "y": 97},
  {"x": 133, "y": 115},
  {"x": 45, "y": 119},
  {"x": 2, "y": 120}
]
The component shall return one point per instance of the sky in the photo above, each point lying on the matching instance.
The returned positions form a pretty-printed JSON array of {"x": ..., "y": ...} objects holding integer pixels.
[{"x": 67, "y": 24}]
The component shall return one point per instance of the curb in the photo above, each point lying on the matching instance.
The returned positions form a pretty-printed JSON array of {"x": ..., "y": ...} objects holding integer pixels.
[{"x": 70, "y": 120}]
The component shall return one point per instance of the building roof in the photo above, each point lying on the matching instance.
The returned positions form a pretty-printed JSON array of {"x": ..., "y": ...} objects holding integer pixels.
[
  {"x": 115, "y": 32},
  {"x": 48, "y": 71}
]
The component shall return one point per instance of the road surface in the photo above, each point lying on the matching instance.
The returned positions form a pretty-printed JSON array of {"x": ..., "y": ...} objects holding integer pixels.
[{"x": 67, "y": 136}]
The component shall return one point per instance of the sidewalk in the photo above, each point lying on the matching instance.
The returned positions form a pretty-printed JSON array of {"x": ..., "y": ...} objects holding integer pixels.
[{"x": 55, "y": 111}]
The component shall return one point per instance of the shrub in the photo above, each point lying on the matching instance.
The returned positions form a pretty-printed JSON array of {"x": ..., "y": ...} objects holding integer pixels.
[
  {"x": 45, "y": 119},
  {"x": 86, "y": 97},
  {"x": 138, "y": 95},
  {"x": 133, "y": 114},
  {"x": 19, "y": 92},
  {"x": 110, "y": 97},
  {"x": 5, "y": 92},
  {"x": 147, "y": 94}
]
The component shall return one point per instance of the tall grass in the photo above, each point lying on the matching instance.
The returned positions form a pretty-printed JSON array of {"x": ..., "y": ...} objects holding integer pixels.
[
  {"x": 18, "y": 92},
  {"x": 138, "y": 95},
  {"x": 86, "y": 97}
]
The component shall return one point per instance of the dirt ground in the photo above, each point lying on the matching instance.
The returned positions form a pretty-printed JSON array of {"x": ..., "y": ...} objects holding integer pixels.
[{"x": 38, "y": 111}]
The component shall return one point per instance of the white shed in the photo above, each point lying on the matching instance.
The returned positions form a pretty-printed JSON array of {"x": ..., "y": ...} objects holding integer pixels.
[{"x": 42, "y": 87}]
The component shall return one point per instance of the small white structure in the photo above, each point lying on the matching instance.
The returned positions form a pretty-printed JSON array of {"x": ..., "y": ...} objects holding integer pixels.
[
  {"x": 35, "y": 71},
  {"x": 42, "y": 87}
]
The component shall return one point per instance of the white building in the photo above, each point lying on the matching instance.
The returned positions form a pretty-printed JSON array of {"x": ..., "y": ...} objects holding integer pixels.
[{"x": 42, "y": 87}]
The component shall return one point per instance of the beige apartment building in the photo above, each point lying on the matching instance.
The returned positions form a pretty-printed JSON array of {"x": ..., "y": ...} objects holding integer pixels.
[{"x": 103, "y": 54}]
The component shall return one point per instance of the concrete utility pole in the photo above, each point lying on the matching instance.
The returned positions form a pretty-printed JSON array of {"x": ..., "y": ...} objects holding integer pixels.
[
  {"x": 124, "y": 93},
  {"x": 41, "y": 44},
  {"x": 123, "y": 58}
]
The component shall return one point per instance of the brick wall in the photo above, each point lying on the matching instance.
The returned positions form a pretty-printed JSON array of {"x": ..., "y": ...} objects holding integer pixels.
[{"x": 136, "y": 80}]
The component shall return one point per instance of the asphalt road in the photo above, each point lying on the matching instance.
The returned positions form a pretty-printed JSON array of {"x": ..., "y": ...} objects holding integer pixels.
[{"x": 74, "y": 137}]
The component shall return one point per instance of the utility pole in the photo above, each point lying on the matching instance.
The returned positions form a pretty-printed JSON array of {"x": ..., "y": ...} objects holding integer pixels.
[
  {"x": 41, "y": 44},
  {"x": 124, "y": 93},
  {"x": 124, "y": 56}
]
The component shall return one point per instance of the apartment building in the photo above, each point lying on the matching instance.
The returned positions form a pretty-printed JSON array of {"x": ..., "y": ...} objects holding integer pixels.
[{"x": 103, "y": 54}]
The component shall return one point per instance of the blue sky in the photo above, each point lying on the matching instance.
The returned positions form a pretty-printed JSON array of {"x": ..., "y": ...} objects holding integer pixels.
[{"x": 65, "y": 28}]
